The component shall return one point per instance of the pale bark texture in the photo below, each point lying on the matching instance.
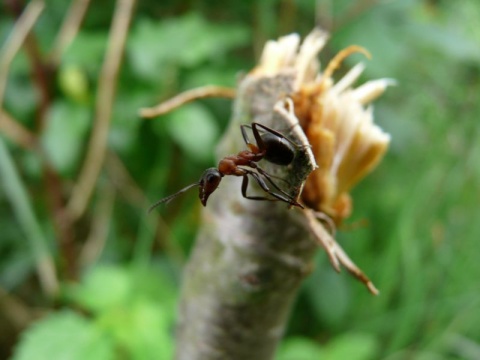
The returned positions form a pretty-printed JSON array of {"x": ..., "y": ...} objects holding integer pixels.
[{"x": 250, "y": 257}]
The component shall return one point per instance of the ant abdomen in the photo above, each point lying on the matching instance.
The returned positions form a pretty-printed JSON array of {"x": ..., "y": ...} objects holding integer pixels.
[{"x": 278, "y": 150}]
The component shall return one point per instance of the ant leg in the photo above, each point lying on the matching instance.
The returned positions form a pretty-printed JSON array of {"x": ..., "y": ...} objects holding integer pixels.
[
  {"x": 283, "y": 197},
  {"x": 244, "y": 191},
  {"x": 270, "y": 180},
  {"x": 265, "y": 188},
  {"x": 253, "y": 148},
  {"x": 244, "y": 133}
]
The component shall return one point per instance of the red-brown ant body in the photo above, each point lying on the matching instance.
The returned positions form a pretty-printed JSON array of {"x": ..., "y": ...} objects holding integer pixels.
[{"x": 271, "y": 146}]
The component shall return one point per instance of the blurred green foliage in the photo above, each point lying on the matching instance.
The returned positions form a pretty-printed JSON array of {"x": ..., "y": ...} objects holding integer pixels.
[{"x": 421, "y": 242}]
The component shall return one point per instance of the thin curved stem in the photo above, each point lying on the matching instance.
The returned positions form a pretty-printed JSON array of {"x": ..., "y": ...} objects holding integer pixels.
[{"x": 83, "y": 190}]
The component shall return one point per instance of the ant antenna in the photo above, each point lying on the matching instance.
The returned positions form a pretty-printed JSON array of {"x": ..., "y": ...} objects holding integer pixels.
[{"x": 171, "y": 197}]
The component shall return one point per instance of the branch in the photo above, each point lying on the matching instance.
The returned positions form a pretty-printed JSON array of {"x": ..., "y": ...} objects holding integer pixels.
[
  {"x": 16, "y": 132},
  {"x": 186, "y": 97},
  {"x": 83, "y": 190},
  {"x": 97, "y": 238},
  {"x": 18, "y": 196},
  {"x": 250, "y": 256},
  {"x": 17, "y": 37},
  {"x": 69, "y": 29}
]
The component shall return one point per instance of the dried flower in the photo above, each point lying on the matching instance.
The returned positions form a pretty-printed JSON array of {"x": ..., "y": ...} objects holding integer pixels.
[{"x": 336, "y": 118}]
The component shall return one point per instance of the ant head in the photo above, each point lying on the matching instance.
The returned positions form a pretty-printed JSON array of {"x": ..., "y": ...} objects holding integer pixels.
[{"x": 208, "y": 184}]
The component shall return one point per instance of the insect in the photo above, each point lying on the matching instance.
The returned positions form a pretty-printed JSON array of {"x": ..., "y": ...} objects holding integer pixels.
[{"x": 271, "y": 146}]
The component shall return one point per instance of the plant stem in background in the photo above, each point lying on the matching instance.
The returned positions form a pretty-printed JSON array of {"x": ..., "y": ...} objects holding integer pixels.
[
  {"x": 17, "y": 194},
  {"x": 42, "y": 77},
  {"x": 68, "y": 31},
  {"x": 83, "y": 190}
]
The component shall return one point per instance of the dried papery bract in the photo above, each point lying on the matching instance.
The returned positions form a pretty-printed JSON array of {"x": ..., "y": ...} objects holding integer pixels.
[{"x": 346, "y": 143}]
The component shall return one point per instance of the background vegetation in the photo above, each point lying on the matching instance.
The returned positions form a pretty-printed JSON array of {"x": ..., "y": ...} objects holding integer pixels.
[{"x": 415, "y": 229}]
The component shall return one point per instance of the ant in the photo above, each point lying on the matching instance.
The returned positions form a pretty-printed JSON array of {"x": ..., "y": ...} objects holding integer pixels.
[{"x": 271, "y": 146}]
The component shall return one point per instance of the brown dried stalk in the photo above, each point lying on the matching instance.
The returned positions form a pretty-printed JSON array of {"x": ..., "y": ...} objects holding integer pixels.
[
  {"x": 69, "y": 29},
  {"x": 87, "y": 179},
  {"x": 186, "y": 97},
  {"x": 16, "y": 132}
]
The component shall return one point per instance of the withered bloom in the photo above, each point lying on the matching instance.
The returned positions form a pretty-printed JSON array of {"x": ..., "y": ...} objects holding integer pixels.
[{"x": 336, "y": 118}]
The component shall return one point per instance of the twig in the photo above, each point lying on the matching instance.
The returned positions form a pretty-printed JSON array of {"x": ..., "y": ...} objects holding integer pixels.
[
  {"x": 124, "y": 182},
  {"x": 45, "y": 267},
  {"x": 17, "y": 313},
  {"x": 83, "y": 190},
  {"x": 185, "y": 97},
  {"x": 324, "y": 14},
  {"x": 21, "y": 35},
  {"x": 20, "y": 31},
  {"x": 69, "y": 29},
  {"x": 356, "y": 9},
  {"x": 100, "y": 225},
  {"x": 42, "y": 78},
  {"x": 17, "y": 194},
  {"x": 129, "y": 189},
  {"x": 335, "y": 252},
  {"x": 16, "y": 132},
  {"x": 355, "y": 270},
  {"x": 325, "y": 240}
]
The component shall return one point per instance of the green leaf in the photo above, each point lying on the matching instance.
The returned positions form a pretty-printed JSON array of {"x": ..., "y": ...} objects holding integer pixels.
[
  {"x": 64, "y": 135},
  {"x": 103, "y": 287},
  {"x": 194, "y": 129},
  {"x": 185, "y": 41},
  {"x": 134, "y": 306},
  {"x": 87, "y": 51},
  {"x": 297, "y": 348},
  {"x": 447, "y": 41},
  {"x": 142, "y": 330},
  {"x": 64, "y": 335}
]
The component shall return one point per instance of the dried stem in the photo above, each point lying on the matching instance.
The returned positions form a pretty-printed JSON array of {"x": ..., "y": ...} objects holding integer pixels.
[
  {"x": 20, "y": 35},
  {"x": 42, "y": 78},
  {"x": 186, "y": 97},
  {"x": 90, "y": 171},
  {"x": 18, "y": 314},
  {"x": 21, "y": 29},
  {"x": 101, "y": 221},
  {"x": 17, "y": 194},
  {"x": 356, "y": 9},
  {"x": 69, "y": 29},
  {"x": 129, "y": 189},
  {"x": 335, "y": 252},
  {"x": 16, "y": 132}
]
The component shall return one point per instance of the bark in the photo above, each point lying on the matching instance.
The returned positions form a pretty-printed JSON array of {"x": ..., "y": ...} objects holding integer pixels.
[{"x": 250, "y": 256}]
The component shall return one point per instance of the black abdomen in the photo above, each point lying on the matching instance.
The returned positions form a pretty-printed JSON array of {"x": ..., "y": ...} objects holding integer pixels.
[{"x": 278, "y": 150}]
